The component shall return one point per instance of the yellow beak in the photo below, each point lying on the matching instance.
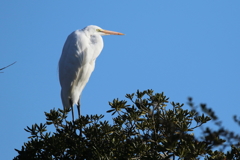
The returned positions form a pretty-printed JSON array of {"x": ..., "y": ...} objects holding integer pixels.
[{"x": 111, "y": 32}]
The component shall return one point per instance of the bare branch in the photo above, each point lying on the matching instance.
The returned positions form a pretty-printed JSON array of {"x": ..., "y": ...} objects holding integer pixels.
[{"x": 6, "y": 66}]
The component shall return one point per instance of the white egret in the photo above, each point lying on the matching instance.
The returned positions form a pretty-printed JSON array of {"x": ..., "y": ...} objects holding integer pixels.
[{"x": 77, "y": 62}]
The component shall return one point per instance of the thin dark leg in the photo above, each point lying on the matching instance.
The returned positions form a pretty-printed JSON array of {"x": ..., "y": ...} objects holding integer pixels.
[
  {"x": 78, "y": 107},
  {"x": 72, "y": 114},
  {"x": 70, "y": 101}
]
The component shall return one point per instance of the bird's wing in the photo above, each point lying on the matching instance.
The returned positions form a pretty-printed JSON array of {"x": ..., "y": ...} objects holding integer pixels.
[{"x": 73, "y": 57}]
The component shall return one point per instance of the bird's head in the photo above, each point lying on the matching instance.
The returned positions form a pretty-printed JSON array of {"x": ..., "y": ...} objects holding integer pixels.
[{"x": 97, "y": 30}]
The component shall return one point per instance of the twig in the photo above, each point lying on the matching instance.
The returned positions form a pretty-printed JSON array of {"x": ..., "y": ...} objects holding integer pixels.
[{"x": 6, "y": 66}]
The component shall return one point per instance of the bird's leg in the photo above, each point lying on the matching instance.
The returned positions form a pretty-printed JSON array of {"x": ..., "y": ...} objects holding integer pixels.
[
  {"x": 78, "y": 107},
  {"x": 72, "y": 114},
  {"x": 71, "y": 104}
]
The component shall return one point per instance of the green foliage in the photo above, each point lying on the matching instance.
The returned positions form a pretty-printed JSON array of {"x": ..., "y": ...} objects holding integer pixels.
[
  {"x": 142, "y": 128},
  {"x": 221, "y": 137}
]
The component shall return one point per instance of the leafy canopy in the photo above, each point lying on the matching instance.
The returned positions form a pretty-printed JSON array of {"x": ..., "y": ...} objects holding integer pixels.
[{"x": 147, "y": 126}]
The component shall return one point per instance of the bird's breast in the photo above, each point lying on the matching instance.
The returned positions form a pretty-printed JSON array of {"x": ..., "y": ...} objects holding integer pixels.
[{"x": 96, "y": 44}]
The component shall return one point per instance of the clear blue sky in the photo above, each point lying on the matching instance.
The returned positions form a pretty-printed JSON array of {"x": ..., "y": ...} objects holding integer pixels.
[{"x": 183, "y": 48}]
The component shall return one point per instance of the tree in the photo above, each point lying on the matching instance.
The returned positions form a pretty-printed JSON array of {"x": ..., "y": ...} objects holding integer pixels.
[{"x": 147, "y": 126}]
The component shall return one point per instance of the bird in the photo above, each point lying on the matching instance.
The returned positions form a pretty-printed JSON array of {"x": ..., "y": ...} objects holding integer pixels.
[{"x": 77, "y": 62}]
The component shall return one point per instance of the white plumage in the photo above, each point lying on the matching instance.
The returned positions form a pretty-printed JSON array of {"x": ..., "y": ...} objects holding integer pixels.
[{"x": 77, "y": 62}]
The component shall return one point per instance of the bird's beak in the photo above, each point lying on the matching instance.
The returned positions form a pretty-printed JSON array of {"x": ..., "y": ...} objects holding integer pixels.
[{"x": 111, "y": 32}]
